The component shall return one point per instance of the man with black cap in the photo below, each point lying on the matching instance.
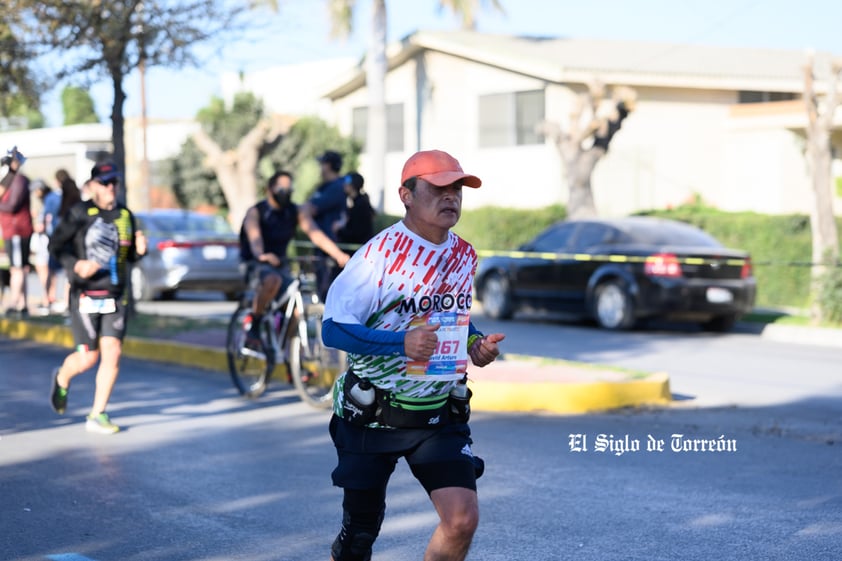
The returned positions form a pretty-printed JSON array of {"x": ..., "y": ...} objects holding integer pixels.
[
  {"x": 95, "y": 242},
  {"x": 326, "y": 206},
  {"x": 401, "y": 309}
]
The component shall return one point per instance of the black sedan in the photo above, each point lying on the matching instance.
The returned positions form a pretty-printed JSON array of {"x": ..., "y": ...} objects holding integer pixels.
[
  {"x": 187, "y": 251},
  {"x": 619, "y": 271}
]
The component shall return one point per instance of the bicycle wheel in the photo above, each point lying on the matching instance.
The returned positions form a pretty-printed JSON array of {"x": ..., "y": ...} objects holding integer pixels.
[
  {"x": 249, "y": 368},
  {"x": 313, "y": 366}
]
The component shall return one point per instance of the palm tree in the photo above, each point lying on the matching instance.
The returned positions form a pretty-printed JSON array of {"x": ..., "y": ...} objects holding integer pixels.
[{"x": 341, "y": 14}]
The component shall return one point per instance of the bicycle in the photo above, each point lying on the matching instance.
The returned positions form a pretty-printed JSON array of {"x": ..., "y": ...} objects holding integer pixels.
[{"x": 290, "y": 334}]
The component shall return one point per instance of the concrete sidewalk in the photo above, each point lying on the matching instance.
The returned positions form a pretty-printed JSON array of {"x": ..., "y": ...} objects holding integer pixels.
[{"x": 512, "y": 383}]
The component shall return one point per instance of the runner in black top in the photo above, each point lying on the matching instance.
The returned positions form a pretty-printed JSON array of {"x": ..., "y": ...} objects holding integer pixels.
[{"x": 95, "y": 243}]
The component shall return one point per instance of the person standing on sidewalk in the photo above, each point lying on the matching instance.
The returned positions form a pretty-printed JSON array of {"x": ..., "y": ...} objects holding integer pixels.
[
  {"x": 325, "y": 207},
  {"x": 357, "y": 223},
  {"x": 401, "y": 309},
  {"x": 44, "y": 223},
  {"x": 95, "y": 242},
  {"x": 16, "y": 224}
]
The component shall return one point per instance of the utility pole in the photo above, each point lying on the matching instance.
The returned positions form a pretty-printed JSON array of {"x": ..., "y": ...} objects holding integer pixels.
[{"x": 144, "y": 198}]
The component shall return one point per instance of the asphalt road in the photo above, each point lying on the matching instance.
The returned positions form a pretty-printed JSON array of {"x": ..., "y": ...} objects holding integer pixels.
[{"x": 201, "y": 474}]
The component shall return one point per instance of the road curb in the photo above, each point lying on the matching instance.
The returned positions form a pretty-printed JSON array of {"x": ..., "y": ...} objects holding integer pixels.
[
  {"x": 570, "y": 397},
  {"x": 159, "y": 350},
  {"x": 553, "y": 390}
]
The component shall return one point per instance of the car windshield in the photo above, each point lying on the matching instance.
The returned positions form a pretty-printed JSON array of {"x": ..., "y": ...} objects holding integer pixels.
[
  {"x": 669, "y": 233},
  {"x": 188, "y": 224}
]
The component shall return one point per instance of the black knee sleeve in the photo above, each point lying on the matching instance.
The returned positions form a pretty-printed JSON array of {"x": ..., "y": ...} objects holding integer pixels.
[{"x": 361, "y": 520}]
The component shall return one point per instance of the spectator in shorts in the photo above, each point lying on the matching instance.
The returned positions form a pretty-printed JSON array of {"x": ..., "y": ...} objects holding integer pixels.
[
  {"x": 49, "y": 202},
  {"x": 16, "y": 224}
]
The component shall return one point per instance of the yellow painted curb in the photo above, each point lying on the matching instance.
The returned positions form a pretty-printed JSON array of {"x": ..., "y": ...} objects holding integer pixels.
[
  {"x": 159, "y": 350},
  {"x": 561, "y": 398},
  {"x": 176, "y": 353},
  {"x": 51, "y": 334},
  {"x": 569, "y": 398}
]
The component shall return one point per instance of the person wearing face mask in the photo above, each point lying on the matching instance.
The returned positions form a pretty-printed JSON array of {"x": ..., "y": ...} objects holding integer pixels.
[{"x": 267, "y": 229}]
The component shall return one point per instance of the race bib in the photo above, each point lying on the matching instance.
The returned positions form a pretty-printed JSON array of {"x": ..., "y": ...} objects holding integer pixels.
[
  {"x": 450, "y": 359},
  {"x": 88, "y": 305}
]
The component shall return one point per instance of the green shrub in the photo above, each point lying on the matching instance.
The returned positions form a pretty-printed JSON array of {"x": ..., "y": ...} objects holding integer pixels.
[
  {"x": 830, "y": 295},
  {"x": 504, "y": 228}
]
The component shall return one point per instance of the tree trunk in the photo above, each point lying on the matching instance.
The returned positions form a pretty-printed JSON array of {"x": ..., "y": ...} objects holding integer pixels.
[
  {"x": 825, "y": 237},
  {"x": 376, "y": 66},
  {"x": 581, "y": 203},
  {"x": 595, "y": 132},
  {"x": 117, "y": 131},
  {"x": 236, "y": 170}
]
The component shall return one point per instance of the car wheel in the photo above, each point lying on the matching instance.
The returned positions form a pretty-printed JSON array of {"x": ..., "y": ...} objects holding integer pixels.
[
  {"x": 497, "y": 298},
  {"x": 141, "y": 291},
  {"x": 720, "y": 324},
  {"x": 613, "y": 307}
]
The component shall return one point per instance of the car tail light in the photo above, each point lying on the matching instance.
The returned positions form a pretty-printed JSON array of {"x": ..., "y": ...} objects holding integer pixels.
[
  {"x": 662, "y": 265},
  {"x": 746, "y": 271},
  {"x": 166, "y": 244}
]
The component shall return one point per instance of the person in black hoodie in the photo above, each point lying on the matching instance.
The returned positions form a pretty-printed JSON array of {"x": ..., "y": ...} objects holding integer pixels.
[
  {"x": 95, "y": 242},
  {"x": 357, "y": 223}
]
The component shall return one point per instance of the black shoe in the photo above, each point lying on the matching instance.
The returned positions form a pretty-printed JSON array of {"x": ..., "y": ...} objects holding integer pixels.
[
  {"x": 58, "y": 396},
  {"x": 253, "y": 337},
  {"x": 11, "y": 313}
]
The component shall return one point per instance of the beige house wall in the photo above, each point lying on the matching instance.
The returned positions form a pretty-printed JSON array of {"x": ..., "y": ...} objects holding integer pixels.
[{"x": 679, "y": 144}]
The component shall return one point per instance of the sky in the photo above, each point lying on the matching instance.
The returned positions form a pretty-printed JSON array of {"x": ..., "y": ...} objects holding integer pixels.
[{"x": 300, "y": 32}]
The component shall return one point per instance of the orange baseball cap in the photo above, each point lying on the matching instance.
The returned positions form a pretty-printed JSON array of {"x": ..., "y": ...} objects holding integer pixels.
[{"x": 437, "y": 168}]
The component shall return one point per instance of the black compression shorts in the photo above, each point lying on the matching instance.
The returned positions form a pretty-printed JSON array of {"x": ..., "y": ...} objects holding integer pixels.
[
  {"x": 88, "y": 328},
  {"x": 438, "y": 458}
]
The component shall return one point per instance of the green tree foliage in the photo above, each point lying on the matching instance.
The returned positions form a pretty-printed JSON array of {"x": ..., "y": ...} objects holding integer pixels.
[
  {"x": 228, "y": 125},
  {"x": 113, "y": 38},
  {"x": 830, "y": 297},
  {"x": 77, "y": 106},
  {"x": 19, "y": 85},
  {"x": 196, "y": 183},
  {"x": 297, "y": 151},
  {"x": 193, "y": 184}
]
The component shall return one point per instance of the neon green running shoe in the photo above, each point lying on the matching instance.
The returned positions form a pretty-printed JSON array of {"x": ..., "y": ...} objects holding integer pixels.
[
  {"x": 100, "y": 424},
  {"x": 58, "y": 395}
]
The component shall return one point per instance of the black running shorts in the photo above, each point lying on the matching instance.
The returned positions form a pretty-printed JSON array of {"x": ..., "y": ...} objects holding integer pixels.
[
  {"x": 88, "y": 328},
  {"x": 438, "y": 458}
]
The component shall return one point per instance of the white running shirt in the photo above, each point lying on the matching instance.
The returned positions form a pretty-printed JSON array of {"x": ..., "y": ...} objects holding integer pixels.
[{"x": 395, "y": 282}]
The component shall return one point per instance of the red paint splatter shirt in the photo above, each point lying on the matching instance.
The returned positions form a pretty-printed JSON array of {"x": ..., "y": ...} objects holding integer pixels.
[{"x": 396, "y": 282}]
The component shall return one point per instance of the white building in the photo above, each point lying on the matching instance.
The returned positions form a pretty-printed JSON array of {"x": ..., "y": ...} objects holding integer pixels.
[{"x": 707, "y": 122}]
